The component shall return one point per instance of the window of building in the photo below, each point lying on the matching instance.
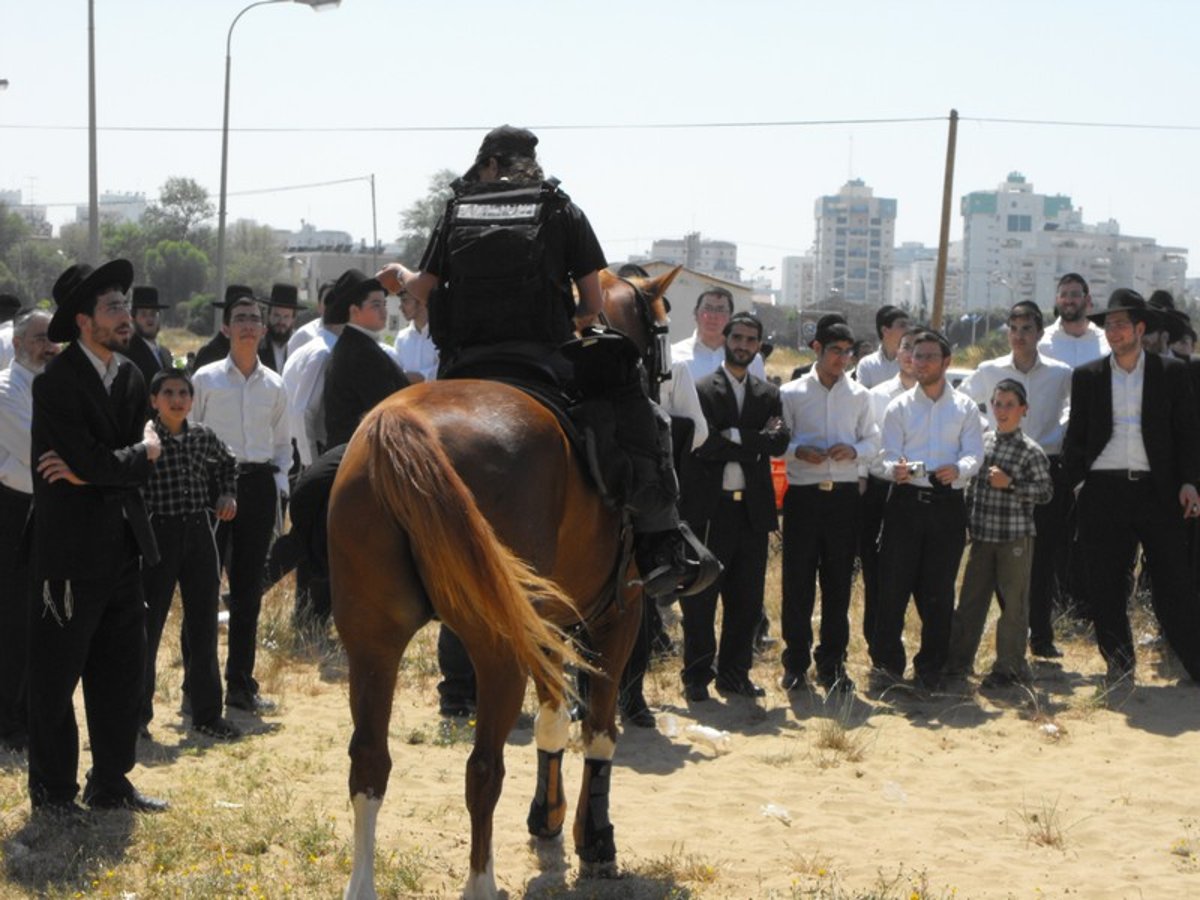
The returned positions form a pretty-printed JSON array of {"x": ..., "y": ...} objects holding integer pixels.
[{"x": 1020, "y": 223}]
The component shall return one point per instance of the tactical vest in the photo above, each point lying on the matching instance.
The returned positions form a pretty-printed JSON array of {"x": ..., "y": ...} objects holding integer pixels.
[{"x": 496, "y": 284}]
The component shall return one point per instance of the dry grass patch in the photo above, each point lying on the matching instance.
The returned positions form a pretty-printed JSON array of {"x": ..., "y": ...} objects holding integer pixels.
[
  {"x": 1043, "y": 825},
  {"x": 679, "y": 866}
]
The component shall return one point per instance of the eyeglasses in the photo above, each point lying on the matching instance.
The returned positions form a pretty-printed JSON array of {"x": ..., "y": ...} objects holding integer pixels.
[
  {"x": 840, "y": 351},
  {"x": 115, "y": 306},
  {"x": 246, "y": 320},
  {"x": 927, "y": 357},
  {"x": 713, "y": 311}
]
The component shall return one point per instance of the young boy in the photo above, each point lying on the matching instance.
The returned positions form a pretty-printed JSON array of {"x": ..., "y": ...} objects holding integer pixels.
[
  {"x": 1014, "y": 478},
  {"x": 177, "y": 498}
]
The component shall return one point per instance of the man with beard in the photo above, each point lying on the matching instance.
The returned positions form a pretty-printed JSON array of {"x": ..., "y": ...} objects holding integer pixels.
[
  {"x": 32, "y": 350},
  {"x": 144, "y": 350},
  {"x": 282, "y": 307},
  {"x": 1071, "y": 338},
  {"x": 730, "y": 499},
  {"x": 93, "y": 452}
]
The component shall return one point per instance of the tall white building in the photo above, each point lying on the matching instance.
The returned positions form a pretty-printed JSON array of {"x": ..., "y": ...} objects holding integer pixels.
[
  {"x": 1017, "y": 243},
  {"x": 798, "y": 286},
  {"x": 115, "y": 207},
  {"x": 855, "y": 232},
  {"x": 914, "y": 278},
  {"x": 717, "y": 258}
]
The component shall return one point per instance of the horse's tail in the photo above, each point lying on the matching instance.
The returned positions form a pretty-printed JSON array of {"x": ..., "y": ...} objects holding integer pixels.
[{"x": 473, "y": 580}]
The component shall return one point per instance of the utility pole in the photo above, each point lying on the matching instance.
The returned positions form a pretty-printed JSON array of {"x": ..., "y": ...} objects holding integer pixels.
[{"x": 939, "y": 287}]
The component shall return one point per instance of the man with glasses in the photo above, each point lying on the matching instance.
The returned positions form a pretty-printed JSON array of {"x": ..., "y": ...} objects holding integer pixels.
[
  {"x": 1047, "y": 384},
  {"x": 704, "y": 351},
  {"x": 1072, "y": 338},
  {"x": 1133, "y": 442},
  {"x": 361, "y": 372},
  {"x": 92, "y": 451},
  {"x": 245, "y": 404},
  {"x": 833, "y": 432},
  {"x": 932, "y": 445}
]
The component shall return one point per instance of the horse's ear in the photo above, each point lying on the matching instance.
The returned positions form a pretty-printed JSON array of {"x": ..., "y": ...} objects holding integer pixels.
[{"x": 657, "y": 286}]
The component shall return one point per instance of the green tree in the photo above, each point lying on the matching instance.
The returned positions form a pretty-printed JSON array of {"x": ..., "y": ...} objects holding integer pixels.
[
  {"x": 254, "y": 256},
  {"x": 126, "y": 240},
  {"x": 181, "y": 207},
  {"x": 418, "y": 221},
  {"x": 29, "y": 265},
  {"x": 178, "y": 269}
]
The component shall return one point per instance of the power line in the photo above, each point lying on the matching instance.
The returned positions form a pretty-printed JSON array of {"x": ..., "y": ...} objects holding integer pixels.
[{"x": 126, "y": 201}]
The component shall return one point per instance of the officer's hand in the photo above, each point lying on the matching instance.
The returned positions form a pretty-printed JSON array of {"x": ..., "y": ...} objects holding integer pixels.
[{"x": 391, "y": 277}]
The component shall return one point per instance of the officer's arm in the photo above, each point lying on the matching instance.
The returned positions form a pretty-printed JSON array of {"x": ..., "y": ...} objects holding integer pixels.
[
  {"x": 591, "y": 297},
  {"x": 396, "y": 279}
]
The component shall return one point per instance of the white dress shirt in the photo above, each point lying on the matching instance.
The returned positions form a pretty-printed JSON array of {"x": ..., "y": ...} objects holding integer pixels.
[
  {"x": 303, "y": 335},
  {"x": 821, "y": 417},
  {"x": 417, "y": 352},
  {"x": 733, "y": 478},
  {"x": 702, "y": 360},
  {"x": 1126, "y": 449},
  {"x": 678, "y": 397},
  {"x": 1074, "y": 351},
  {"x": 1047, "y": 387},
  {"x": 304, "y": 382},
  {"x": 249, "y": 414},
  {"x": 948, "y": 432},
  {"x": 16, "y": 417},
  {"x": 875, "y": 368},
  {"x": 106, "y": 370},
  {"x": 7, "y": 353},
  {"x": 883, "y": 394}
]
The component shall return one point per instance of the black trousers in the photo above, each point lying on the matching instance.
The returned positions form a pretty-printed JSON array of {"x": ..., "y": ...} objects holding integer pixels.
[
  {"x": 1048, "y": 580},
  {"x": 870, "y": 519},
  {"x": 1115, "y": 514},
  {"x": 819, "y": 532},
  {"x": 15, "y": 601},
  {"x": 742, "y": 550},
  {"x": 103, "y": 642},
  {"x": 457, "y": 687},
  {"x": 924, "y": 534},
  {"x": 188, "y": 554},
  {"x": 632, "y": 696},
  {"x": 244, "y": 542}
]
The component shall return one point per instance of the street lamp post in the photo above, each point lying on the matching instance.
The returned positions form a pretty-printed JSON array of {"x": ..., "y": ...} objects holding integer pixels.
[{"x": 316, "y": 6}]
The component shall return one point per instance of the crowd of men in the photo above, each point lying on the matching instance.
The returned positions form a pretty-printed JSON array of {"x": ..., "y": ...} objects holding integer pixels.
[{"x": 128, "y": 476}]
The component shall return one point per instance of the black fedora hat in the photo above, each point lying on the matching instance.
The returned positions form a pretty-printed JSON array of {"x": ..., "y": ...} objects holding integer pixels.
[
  {"x": 72, "y": 289},
  {"x": 350, "y": 286},
  {"x": 146, "y": 297},
  {"x": 1174, "y": 321},
  {"x": 10, "y": 303},
  {"x": 234, "y": 292},
  {"x": 285, "y": 295},
  {"x": 1127, "y": 300},
  {"x": 506, "y": 140}
]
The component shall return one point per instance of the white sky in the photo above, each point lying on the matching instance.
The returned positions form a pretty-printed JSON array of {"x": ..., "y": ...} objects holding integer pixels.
[{"x": 472, "y": 65}]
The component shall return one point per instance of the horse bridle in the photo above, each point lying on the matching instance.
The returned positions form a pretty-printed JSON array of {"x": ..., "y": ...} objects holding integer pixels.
[{"x": 656, "y": 357}]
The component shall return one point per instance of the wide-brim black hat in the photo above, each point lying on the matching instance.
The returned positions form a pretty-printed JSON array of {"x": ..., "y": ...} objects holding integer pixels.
[
  {"x": 1127, "y": 300},
  {"x": 74, "y": 286},
  {"x": 286, "y": 296},
  {"x": 506, "y": 140},
  {"x": 1174, "y": 321},
  {"x": 146, "y": 297},
  {"x": 10, "y": 302},
  {"x": 234, "y": 292},
  {"x": 350, "y": 286}
]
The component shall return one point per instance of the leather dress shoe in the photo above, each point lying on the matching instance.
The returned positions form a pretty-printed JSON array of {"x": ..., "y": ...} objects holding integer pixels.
[
  {"x": 1045, "y": 650},
  {"x": 696, "y": 692},
  {"x": 741, "y": 687},
  {"x": 251, "y": 703},
  {"x": 793, "y": 681},
  {"x": 135, "y": 801},
  {"x": 639, "y": 716}
]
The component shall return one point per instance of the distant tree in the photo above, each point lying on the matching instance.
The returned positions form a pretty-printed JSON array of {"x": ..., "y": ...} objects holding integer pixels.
[
  {"x": 178, "y": 269},
  {"x": 29, "y": 265},
  {"x": 126, "y": 240},
  {"x": 13, "y": 230},
  {"x": 418, "y": 221},
  {"x": 253, "y": 256},
  {"x": 73, "y": 238},
  {"x": 181, "y": 207}
]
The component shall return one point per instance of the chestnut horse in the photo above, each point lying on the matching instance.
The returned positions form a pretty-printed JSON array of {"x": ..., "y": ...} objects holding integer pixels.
[{"x": 464, "y": 499}]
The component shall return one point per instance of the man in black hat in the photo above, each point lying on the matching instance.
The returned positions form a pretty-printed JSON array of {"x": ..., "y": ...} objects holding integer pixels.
[
  {"x": 217, "y": 347},
  {"x": 503, "y": 259},
  {"x": 90, "y": 533},
  {"x": 144, "y": 349},
  {"x": 361, "y": 371},
  {"x": 10, "y": 306},
  {"x": 1133, "y": 443},
  {"x": 282, "y": 307}
]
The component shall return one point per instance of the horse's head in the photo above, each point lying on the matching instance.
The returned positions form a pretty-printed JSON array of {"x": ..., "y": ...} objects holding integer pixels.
[{"x": 637, "y": 306}]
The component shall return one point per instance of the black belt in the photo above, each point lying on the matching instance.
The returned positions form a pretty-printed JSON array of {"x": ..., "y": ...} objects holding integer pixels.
[
  {"x": 253, "y": 468},
  {"x": 1121, "y": 474},
  {"x": 928, "y": 495},
  {"x": 6, "y": 491},
  {"x": 733, "y": 496},
  {"x": 827, "y": 486}
]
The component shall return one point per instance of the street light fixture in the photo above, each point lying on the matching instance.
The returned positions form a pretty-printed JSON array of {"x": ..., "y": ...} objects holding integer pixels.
[{"x": 315, "y": 6}]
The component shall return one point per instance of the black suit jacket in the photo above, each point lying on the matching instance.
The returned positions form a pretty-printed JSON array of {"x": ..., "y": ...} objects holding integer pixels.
[
  {"x": 216, "y": 349},
  {"x": 358, "y": 376},
  {"x": 147, "y": 361},
  {"x": 266, "y": 355},
  {"x": 1170, "y": 430},
  {"x": 79, "y": 531},
  {"x": 701, "y": 489}
]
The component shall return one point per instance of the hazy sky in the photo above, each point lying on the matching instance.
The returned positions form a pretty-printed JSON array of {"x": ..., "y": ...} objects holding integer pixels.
[{"x": 463, "y": 66}]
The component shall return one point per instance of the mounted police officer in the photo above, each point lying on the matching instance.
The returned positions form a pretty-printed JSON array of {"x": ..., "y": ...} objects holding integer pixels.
[{"x": 500, "y": 267}]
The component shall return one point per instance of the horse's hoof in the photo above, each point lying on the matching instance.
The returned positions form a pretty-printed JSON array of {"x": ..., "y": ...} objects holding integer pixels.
[{"x": 599, "y": 869}]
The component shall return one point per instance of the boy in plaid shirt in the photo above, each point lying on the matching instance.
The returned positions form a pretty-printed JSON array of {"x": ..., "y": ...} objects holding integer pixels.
[
  {"x": 177, "y": 497},
  {"x": 1015, "y": 478}
]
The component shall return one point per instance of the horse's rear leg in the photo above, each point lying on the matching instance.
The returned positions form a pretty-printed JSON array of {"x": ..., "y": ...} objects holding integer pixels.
[
  {"x": 548, "y": 810},
  {"x": 501, "y": 688},
  {"x": 612, "y": 640}
]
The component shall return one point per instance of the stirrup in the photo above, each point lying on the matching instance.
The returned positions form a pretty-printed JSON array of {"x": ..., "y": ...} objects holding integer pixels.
[
  {"x": 682, "y": 576},
  {"x": 707, "y": 567}
]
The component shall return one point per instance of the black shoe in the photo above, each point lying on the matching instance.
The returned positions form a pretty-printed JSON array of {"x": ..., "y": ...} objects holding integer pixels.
[
  {"x": 134, "y": 800},
  {"x": 1045, "y": 650},
  {"x": 449, "y": 709},
  {"x": 219, "y": 729},
  {"x": 665, "y": 568},
  {"x": 793, "y": 681},
  {"x": 696, "y": 692},
  {"x": 251, "y": 703},
  {"x": 997, "y": 680},
  {"x": 144, "y": 732},
  {"x": 929, "y": 683},
  {"x": 639, "y": 716},
  {"x": 838, "y": 683},
  {"x": 740, "y": 687}
]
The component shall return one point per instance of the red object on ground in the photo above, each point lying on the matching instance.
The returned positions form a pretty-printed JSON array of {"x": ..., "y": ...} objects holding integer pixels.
[{"x": 779, "y": 479}]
